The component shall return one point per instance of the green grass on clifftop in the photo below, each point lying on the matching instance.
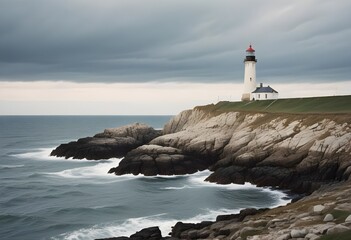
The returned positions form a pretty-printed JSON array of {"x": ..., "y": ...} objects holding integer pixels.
[{"x": 334, "y": 104}]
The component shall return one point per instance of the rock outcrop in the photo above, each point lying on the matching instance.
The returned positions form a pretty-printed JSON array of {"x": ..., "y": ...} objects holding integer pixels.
[
  {"x": 296, "y": 151},
  {"x": 113, "y": 142},
  {"x": 152, "y": 160},
  {"x": 151, "y": 233}
]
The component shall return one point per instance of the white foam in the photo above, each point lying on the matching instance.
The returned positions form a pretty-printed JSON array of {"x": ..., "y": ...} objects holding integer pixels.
[
  {"x": 133, "y": 225},
  {"x": 177, "y": 188},
  {"x": 98, "y": 170},
  {"x": 43, "y": 154},
  {"x": 198, "y": 180},
  {"x": 114, "y": 229},
  {"x": 10, "y": 166}
]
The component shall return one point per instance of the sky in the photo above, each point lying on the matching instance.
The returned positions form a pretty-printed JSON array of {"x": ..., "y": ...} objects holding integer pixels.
[{"x": 162, "y": 56}]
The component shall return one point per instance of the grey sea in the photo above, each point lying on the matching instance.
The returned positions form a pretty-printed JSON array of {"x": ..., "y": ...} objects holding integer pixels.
[{"x": 43, "y": 197}]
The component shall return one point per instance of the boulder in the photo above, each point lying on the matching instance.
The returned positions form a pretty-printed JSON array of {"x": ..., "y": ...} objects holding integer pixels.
[
  {"x": 337, "y": 229},
  {"x": 181, "y": 227},
  {"x": 285, "y": 236},
  {"x": 312, "y": 236},
  {"x": 318, "y": 209},
  {"x": 151, "y": 233},
  {"x": 328, "y": 218},
  {"x": 114, "y": 142},
  {"x": 298, "y": 233},
  {"x": 348, "y": 219}
]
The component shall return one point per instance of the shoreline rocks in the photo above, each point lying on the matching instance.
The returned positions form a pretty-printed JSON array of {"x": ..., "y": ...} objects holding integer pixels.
[
  {"x": 300, "y": 152},
  {"x": 112, "y": 143},
  {"x": 290, "y": 151},
  {"x": 150, "y": 233}
]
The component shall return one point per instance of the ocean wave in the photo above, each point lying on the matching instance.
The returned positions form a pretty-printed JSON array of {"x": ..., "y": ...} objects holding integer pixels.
[
  {"x": 177, "y": 188},
  {"x": 10, "y": 166},
  {"x": 94, "y": 172},
  {"x": 163, "y": 221},
  {"x": 114, "y": 209},
  {"x": 132, "y": 225},
  {"x": 43, "y": 154},
  {"x": 198, "y": 180},
  {"x": 125, "y": 228}
]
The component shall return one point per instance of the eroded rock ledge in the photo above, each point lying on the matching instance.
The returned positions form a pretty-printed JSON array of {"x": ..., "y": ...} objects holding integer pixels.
[
  {"x": 295, "y": 151},
  {"x": 113, "y": 142}
]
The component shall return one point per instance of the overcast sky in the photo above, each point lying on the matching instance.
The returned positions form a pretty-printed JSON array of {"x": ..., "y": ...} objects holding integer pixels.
[{"x": 74, "y": 44}]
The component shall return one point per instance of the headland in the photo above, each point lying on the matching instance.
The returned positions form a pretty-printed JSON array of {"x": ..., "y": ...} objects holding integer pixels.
[{"x": 299, "y": 144}]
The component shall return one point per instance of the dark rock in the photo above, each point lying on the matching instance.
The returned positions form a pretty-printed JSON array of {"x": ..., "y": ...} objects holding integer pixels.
[
  {"x": 222, "y": 232},
  {"x": 114, "y": 238},
  {"x": 151, "y": 233},
  {"x": 114, "y": 142},
  {"x": 241, "y": 215},
  {"x": 181, "y": 227},
  {"x": 151, "y": 160}
]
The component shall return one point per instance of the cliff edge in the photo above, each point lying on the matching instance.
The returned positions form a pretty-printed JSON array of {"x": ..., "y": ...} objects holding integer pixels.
[{"x": 299, "y": 151}]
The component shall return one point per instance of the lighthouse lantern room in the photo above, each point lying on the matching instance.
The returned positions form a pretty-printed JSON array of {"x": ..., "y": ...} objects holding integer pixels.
[{"x": 250, "y": 74}]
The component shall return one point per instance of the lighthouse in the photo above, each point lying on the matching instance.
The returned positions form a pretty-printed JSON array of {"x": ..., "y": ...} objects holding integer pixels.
[{"x": 250, "y": 74}]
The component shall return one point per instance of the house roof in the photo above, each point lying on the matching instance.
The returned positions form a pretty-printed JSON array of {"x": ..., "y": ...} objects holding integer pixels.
[{"x": 264, "y": 90}]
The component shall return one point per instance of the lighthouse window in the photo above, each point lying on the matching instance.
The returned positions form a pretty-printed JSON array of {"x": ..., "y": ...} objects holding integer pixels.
[{"x": 250, "y": 79}]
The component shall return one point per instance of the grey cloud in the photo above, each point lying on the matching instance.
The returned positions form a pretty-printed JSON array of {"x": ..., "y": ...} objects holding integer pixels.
[{"x": 156, "y": 40}]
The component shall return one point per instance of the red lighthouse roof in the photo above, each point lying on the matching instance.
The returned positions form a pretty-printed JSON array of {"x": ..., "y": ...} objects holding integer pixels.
[{"x": 250, "y": 49}]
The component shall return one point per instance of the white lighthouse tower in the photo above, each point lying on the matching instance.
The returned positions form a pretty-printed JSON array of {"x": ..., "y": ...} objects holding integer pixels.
[{"x": 250, "y": 74}]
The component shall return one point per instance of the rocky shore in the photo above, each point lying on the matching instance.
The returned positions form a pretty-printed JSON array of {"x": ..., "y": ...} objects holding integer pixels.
[
  {"x": 325, "y": 214},
  {"x": 292, "y": 151},
  {"x": 114, "y": 142},
  {"x": 300, "y": 152}
]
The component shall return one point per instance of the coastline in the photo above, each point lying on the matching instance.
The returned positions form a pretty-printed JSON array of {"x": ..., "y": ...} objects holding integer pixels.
[{"x": 300, "y": 152}]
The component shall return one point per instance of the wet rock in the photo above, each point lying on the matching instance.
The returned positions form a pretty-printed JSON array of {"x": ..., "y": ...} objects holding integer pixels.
[
  {"x": 348, "y": 219},
  {"x": 151, "y": 233}
]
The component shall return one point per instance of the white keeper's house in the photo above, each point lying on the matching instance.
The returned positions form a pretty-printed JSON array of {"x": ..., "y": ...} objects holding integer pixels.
[{"x": 251, "y": 90}]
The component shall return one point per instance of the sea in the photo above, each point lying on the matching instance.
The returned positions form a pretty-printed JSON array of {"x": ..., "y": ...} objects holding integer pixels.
[{"x": 45, "y": 197}]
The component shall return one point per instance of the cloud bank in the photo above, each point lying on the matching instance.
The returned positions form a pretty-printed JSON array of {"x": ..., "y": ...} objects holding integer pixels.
[{"x": 173, "y": 41}]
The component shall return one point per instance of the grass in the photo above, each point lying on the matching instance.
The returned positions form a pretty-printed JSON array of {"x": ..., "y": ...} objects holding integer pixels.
[
  {"x": 333, "y": 104},
  {"x": 340, "y": 215}
]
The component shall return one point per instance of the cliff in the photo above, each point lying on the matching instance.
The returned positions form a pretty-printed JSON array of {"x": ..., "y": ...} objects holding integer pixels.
[
  {"x": 289, "y": 150},
  {"x": 299, "y": 144}
]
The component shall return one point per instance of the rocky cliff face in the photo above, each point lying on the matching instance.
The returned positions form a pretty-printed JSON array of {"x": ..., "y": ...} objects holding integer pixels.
[{"x": 291, "y": 151}]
